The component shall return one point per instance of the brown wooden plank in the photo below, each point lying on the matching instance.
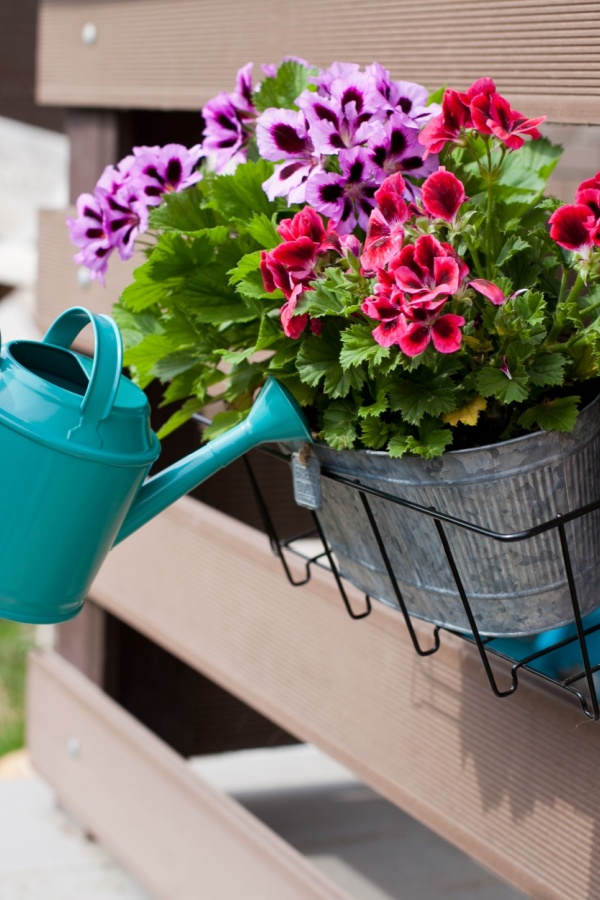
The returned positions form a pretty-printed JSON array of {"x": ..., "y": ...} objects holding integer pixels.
[
  {"x": 178, "y": 53},
  {"x": 509, "y": 781},
  {"x": 94, "y": 144},
  {"x": 181, "y": 837},
  {"x": 82, "y": 642}
]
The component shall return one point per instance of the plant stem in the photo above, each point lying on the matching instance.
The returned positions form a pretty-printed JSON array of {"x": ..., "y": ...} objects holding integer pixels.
[
  {"x": 488, "y": 227},
  {"x": 474, "y": 256},
  {"x": 559, "y": 322},
  {"x": 489, "y": 180},
  {"x": 576, "y": 289},
  {"x": 563, "y": 284}
]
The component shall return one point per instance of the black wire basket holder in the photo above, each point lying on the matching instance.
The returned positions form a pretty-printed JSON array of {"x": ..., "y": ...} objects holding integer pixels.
[{"x": 580, "y": 684}]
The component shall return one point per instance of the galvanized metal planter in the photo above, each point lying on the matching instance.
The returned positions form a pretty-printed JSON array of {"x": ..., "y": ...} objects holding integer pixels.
[{"x": 513, "y": 589}]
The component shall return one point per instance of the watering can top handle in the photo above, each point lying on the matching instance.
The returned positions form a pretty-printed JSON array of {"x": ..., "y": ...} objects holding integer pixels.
[{"x": 108, "y": 358}]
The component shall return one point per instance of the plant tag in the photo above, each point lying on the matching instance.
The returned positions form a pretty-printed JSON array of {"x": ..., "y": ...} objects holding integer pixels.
[{"x": 306, "y": 474}]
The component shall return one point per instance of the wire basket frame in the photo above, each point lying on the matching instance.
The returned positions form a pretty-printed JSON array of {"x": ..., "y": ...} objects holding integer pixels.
[{"x": 579, "y": 682}]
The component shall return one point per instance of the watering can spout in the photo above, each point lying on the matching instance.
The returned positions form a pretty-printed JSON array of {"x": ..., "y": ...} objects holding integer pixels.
[{"x": 275, "y": 416}]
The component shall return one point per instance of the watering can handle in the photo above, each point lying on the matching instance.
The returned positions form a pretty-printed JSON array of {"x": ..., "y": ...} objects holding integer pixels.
[{"x": 107, "y": 364}]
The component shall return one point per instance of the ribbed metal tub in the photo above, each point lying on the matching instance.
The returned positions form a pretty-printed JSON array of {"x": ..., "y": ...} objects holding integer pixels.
[{"x": 513, "y": 588}]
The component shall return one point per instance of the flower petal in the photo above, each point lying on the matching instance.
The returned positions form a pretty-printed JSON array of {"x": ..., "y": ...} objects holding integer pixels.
[
  {"x": 568, "y": 227},
  {"x": 446, "y": 334},
  {"x": 442, "y": 195},
  {"x": 413, "y": 337},
  {"x": 490, "y": 290}
]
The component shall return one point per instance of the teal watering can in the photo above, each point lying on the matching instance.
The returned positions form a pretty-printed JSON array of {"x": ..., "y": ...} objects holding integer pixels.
[{"x": 75, "y": 449}]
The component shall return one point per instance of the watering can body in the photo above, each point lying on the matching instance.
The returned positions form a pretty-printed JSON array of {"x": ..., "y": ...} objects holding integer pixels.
[{"x": 75, "y": 451}]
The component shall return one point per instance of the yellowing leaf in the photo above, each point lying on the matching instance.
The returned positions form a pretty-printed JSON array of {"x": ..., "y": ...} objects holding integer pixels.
[{"x": 467, "y": 414}]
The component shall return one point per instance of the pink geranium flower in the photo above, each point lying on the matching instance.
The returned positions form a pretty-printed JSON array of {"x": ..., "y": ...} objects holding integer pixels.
[
  {"x": 293, "y": 325},
  {"x": 443, "y": 331},
  {"x": 569, "y": 227},
  {"x": 385, "y": 309},
  {"x": 385, "y": 232},
  {"x": 289, "y": 264},
  {"x": 442, "y": 195},
  {"x": 492, "y": 114},
  {"x": 308, "y": 223},
  {"x": 428, "y": 271},
  {"x": 455, "y": 116}
]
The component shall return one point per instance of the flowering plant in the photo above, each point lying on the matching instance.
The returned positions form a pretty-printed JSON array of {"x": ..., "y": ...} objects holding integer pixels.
[{"x": 387, "y": 255}]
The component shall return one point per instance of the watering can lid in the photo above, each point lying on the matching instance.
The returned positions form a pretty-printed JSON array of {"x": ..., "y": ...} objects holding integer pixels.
[{"x": 79, "y": 405}]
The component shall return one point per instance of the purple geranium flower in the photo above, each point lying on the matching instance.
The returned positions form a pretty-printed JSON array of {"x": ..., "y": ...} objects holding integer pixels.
[
  {"x": 115, "y": 177},
  {"x": 337, "y": 71},
  {"x": 125, "y": 216},
  {"x": 397, "y": 149},
  {"x": 403, "y": 96},
  {"x": 165, "y": 169},
  {"x": 87, "y": 231},
  {"x": 348, "y": 198},
  {"x": 282, "y": 137},
  {"x": 229, "y": 122},
  {"x": 349, "y": 117}
]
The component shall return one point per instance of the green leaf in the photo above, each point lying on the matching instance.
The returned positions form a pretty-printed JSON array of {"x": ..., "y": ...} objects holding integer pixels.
[
  {"x": 339, "y": 428},
  {"x": 374, "y": 433},
  {"x": 263, "y": 231},
  {"x": 437, "y": 95},
  {"x": 491, "y": 382},
  {"x": 240, "y": 196},
  {"x": 249, "y": 263},
  {"x": 170, "y": 264},
  {"x": 213, "y": 301},
  {"x": 285, "y": 87},
  {"x": 147, "y": 353},
  {"x": 380, "y": 406},
  {"x": 318, "y": 360},
  {"x": 182, "y": 212},
  {"x": 234, "y": 357},
  {"x": 529, "y": 169},
  {"x": 511, "y": 247},
  {"x": 269, "y": 333},
  {"x": 431, "y": 442},
  {"x": 548, "y": 368},
  {"x": 223, "y": 421},
  {"x": 552, "y": 415},
  {"x": 359, "y": 345},
  {"x": 426, "y": 393},
  {"x": 179, "y": 418},
  {"x": 303, "y": 394},
  {"x": 185, "y": 384},
  {"x": 585, "y": 362},
  {"x": 433, "y": 439},
  {"x": 135, "y": 327},
  {"x": 174, "y": 364},
  {"x": 398, "y": 445},
  {"x": 252, "y": 288},
  {"x": 331, "y": 295}
]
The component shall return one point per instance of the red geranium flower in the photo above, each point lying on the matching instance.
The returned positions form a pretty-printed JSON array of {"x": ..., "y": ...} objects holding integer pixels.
[
  {"x": 308, "y": 223},
  {"x": 385, "y": 233},
  {"x": 570, "y": 227},
  {"x": 442, "y": 195},
  {"x": 429, "y": 271},
  {"x": 492, "y": 114},
  {"x": 455, "y": 116},
  {"x": 443, "y": 331}
]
